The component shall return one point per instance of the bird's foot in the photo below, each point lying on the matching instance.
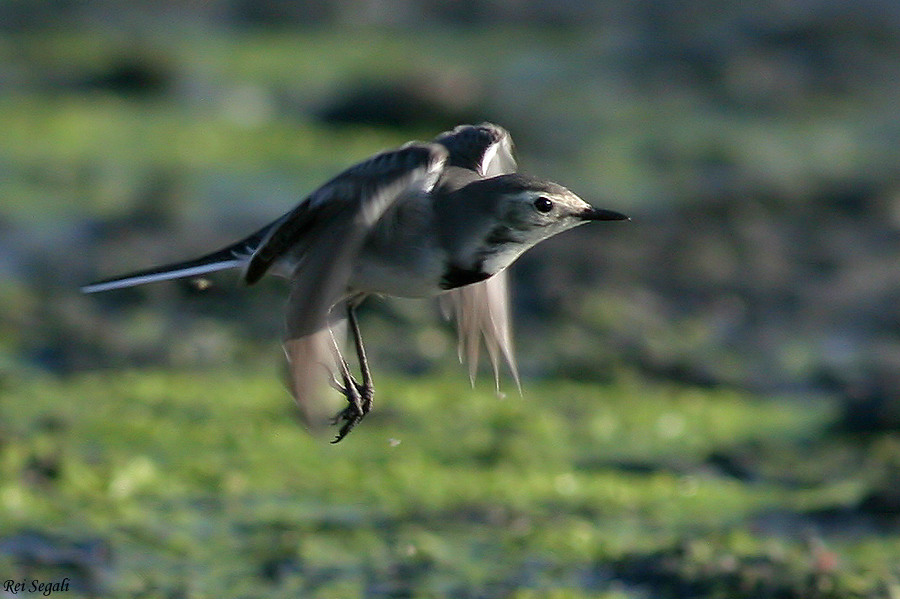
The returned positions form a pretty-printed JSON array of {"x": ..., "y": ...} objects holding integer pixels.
[{"x": 359, "y": 397}]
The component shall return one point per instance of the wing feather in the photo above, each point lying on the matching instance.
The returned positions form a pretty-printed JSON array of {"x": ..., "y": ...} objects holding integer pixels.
[
  {"x": 486, "y": 149},
  {"x": 481, "y": 310},
  {"x": 356, "y": 198},
  {"x": 318, "y": 241}
]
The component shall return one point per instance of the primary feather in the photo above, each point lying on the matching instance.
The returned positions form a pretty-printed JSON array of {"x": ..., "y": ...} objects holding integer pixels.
[{"x": 481, "y": 310}]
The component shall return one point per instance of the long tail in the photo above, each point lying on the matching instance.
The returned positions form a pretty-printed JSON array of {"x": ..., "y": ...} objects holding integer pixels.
[{"x": 233, "y": 256}]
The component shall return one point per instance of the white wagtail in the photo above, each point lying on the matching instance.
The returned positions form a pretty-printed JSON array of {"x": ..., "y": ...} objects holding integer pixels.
[{"x": 443, "y": 218}]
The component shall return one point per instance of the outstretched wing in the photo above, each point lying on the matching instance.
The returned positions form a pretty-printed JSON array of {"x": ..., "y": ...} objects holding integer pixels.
[
  {"x": 316, "y": 242},
  {"x": 486, "y": 149},
  {"x": 354, "y": 199},
  {"x": 481, "y": 310}
]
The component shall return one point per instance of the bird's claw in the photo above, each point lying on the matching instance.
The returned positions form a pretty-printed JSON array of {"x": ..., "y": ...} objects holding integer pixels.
[{"x": 359, "y": 398}]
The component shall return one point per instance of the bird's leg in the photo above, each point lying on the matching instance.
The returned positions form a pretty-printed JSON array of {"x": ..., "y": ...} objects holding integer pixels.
[
  {"x": 359, "y": 395},
  {"x": 367, "y": 390}
]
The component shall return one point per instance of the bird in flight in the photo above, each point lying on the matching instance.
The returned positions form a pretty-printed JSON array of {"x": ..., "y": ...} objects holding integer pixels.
[{"x": 442, "y": 218}]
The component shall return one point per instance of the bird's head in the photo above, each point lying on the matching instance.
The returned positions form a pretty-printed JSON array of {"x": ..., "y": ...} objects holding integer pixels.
[
  {"x": 539, "y": 209},
  {"x": 525, "y": 211}
]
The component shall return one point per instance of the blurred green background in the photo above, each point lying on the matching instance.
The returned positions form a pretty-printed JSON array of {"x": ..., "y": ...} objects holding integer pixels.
[{"x": 712, "y": 392}]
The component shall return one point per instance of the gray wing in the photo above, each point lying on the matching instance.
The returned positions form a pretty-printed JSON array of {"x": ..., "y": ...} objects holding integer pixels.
[
  {"x": 486, "y": 149},
  {"x": 354, "y": 200},
  {"x": 316, "y": 242},
  {"x": 482, "y": 310}
]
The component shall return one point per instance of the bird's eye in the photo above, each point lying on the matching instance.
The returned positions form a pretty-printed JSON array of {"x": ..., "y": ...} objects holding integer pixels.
[{"x": 543, "y": 204}]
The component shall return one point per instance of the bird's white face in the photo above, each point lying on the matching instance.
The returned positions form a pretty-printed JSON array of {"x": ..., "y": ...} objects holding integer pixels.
[
  {"x": 511, "y": 214},
  {"x": 536, "y": 215},
  {"x": 525, "y": 217}
]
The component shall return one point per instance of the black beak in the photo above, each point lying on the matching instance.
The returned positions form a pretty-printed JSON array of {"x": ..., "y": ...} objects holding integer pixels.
[{"x": 600, "y": 214}]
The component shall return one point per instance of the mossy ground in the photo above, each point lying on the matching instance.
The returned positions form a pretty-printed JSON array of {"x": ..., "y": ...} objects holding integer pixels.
[{"x": 204, "y": 484}]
